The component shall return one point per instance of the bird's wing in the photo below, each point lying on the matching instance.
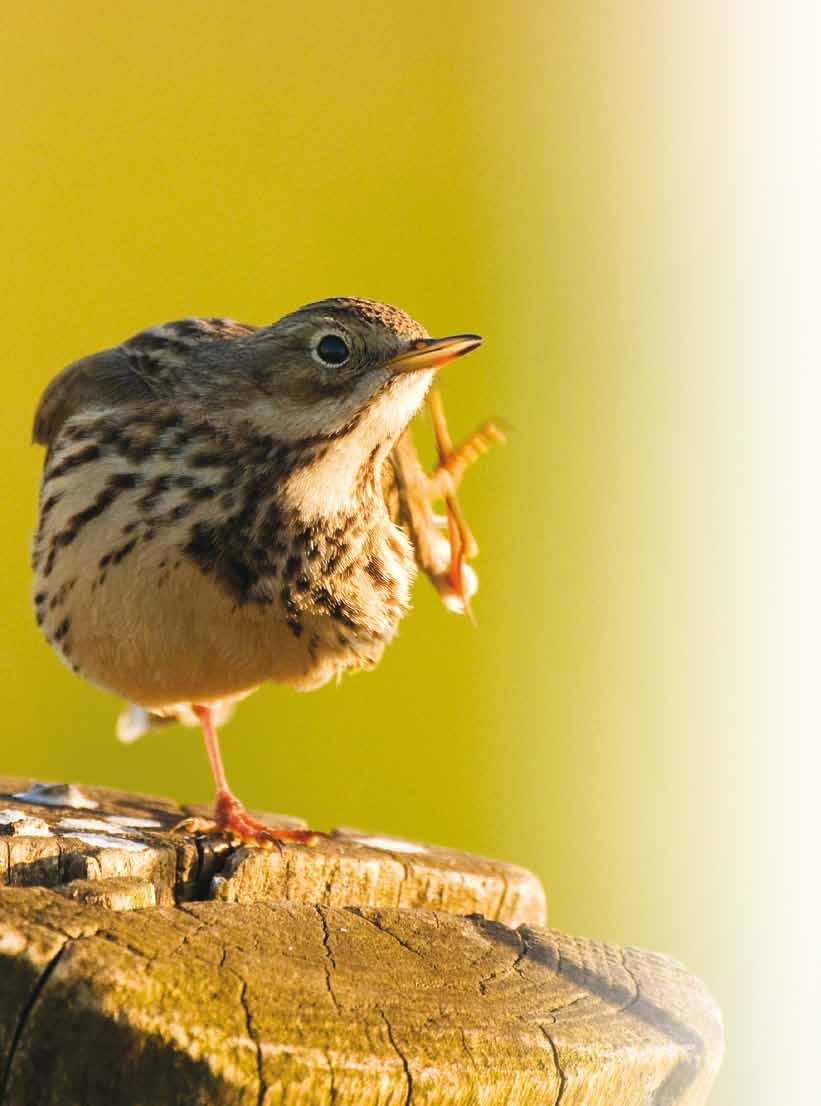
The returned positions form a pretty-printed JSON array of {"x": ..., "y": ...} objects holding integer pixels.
[{"x": 142, "y": 367}]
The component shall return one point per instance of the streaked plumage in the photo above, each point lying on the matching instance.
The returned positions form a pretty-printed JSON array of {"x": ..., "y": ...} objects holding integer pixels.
[{"x": 212, "y": 508}]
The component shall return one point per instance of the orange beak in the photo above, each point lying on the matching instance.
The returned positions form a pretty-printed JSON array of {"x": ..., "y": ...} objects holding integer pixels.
[{"x": 432, "y": 353}]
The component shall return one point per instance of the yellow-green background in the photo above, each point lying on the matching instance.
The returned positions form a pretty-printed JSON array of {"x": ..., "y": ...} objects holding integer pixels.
[{"x": 573, "y": 182}]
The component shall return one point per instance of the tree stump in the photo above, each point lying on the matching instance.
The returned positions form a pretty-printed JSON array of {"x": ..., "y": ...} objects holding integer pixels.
[{"x": 140, "y": 967}]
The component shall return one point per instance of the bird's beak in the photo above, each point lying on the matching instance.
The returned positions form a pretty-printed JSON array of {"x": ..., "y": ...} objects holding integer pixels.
[{"x": 432, "y": 353}]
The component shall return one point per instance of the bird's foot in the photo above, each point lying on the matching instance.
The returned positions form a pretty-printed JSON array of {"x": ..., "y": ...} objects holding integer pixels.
[
  {"x": 455, "y": 460},
  {"x": 442, "y": 545},
  {"x": 232, "y": 819}
]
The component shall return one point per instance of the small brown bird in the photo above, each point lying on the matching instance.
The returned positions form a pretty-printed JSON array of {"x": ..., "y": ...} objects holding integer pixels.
[{"x": 223, "y": 505}]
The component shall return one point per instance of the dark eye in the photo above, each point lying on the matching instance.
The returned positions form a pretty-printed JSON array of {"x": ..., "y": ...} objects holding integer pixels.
[{"x": 332, "y": 350}]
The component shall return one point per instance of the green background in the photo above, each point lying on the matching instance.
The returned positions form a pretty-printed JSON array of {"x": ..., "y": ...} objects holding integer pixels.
[{"x": 571, "y": 181}]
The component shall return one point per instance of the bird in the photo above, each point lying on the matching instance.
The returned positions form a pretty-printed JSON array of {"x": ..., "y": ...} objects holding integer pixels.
[{"x": 223, "y": 505}]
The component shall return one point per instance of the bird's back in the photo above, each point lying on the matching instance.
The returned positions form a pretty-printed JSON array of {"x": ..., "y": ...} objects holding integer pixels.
[{"x": 139, "y": 370}]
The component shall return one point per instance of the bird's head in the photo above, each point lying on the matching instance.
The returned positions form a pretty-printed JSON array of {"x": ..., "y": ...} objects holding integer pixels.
[{"x": 337, "y": 368}]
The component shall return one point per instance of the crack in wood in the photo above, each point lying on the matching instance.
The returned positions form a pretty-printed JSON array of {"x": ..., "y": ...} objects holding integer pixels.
[
  {"x": 374, "y": 918},
  {"x": 262, "y": 1089},
  {"x": 558, "y": 1064},
  {"x": 502, "y": 1043},
  {"x": 494, "y": 928},
  {"x": 400, "y": 1054},
  {"x": 25, "y": 1014},
  {"x": 342, "y": 870},
  {"x": 330, "y": 961},
  {"x": 633, "y": 980},
  {"x": 633, "y": 1003},
  {"x": 466, "y": 1047}
]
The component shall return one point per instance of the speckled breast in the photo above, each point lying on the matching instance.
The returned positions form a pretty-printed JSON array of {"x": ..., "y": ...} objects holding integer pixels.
[{"x": 168, "y": 570}]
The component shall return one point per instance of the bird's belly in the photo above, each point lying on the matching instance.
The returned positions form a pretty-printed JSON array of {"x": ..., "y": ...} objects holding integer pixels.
[
  {"x": 158, "y": 631},
  {"x": 131, "y": 603}
]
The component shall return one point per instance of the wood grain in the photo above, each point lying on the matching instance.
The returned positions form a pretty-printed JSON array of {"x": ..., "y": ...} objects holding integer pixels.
[
  {"x": 268, "y": 988},
  {"x": 348, "y": 868}
]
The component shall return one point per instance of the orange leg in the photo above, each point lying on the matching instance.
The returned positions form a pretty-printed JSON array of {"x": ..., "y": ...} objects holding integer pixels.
[
  {"x": 448, "y": 473},
  {"x": 230, "y": 816},
  {"x": 444, "y": 481}
]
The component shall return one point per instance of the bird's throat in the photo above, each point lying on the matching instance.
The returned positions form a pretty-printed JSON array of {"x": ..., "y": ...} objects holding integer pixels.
[
  {"x": 335, "y": 480},
  {"x": 344, "y": 469}
]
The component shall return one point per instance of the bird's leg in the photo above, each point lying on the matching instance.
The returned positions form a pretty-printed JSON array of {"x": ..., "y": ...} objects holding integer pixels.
[
  {"x": 443, "y": 485},
  {"x": 230, "y": 816},
  {"x": 443, "y": 560}
]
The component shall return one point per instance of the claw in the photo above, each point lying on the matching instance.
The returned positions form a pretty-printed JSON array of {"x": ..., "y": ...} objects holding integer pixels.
[
  {"x": 232, "y": 819},
  {"x": 447, "y": 476},
  {"x": 196, "y": 825}
]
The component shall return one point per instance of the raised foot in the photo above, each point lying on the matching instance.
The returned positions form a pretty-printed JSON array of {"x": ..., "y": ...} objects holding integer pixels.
[
  {"x": 232, "y": 819},
  {"x": 441, "y": 554}
]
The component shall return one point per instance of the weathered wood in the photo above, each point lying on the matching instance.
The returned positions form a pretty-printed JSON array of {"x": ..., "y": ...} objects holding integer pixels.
[
  {"x": 122, "y": 835},
  {"x": 253, "y": 992}
]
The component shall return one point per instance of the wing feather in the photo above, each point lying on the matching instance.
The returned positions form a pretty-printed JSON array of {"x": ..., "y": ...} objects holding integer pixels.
[{"x": 142, "y": 368}]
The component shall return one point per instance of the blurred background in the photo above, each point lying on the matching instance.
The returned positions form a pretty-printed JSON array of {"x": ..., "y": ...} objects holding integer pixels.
[{"x": 602, "y": 191}]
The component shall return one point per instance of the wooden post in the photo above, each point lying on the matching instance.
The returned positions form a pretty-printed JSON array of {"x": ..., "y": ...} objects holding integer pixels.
[{"x": 140, "y": 967}]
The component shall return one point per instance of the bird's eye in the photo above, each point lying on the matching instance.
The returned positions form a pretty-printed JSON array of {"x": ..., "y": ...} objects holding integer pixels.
[{"x": 332, "y": 350}]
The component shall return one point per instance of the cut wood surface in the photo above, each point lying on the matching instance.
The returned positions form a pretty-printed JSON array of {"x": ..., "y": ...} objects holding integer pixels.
[
  {"x": 112, "y": 834},
  {"x": 141, "y": 967}
]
